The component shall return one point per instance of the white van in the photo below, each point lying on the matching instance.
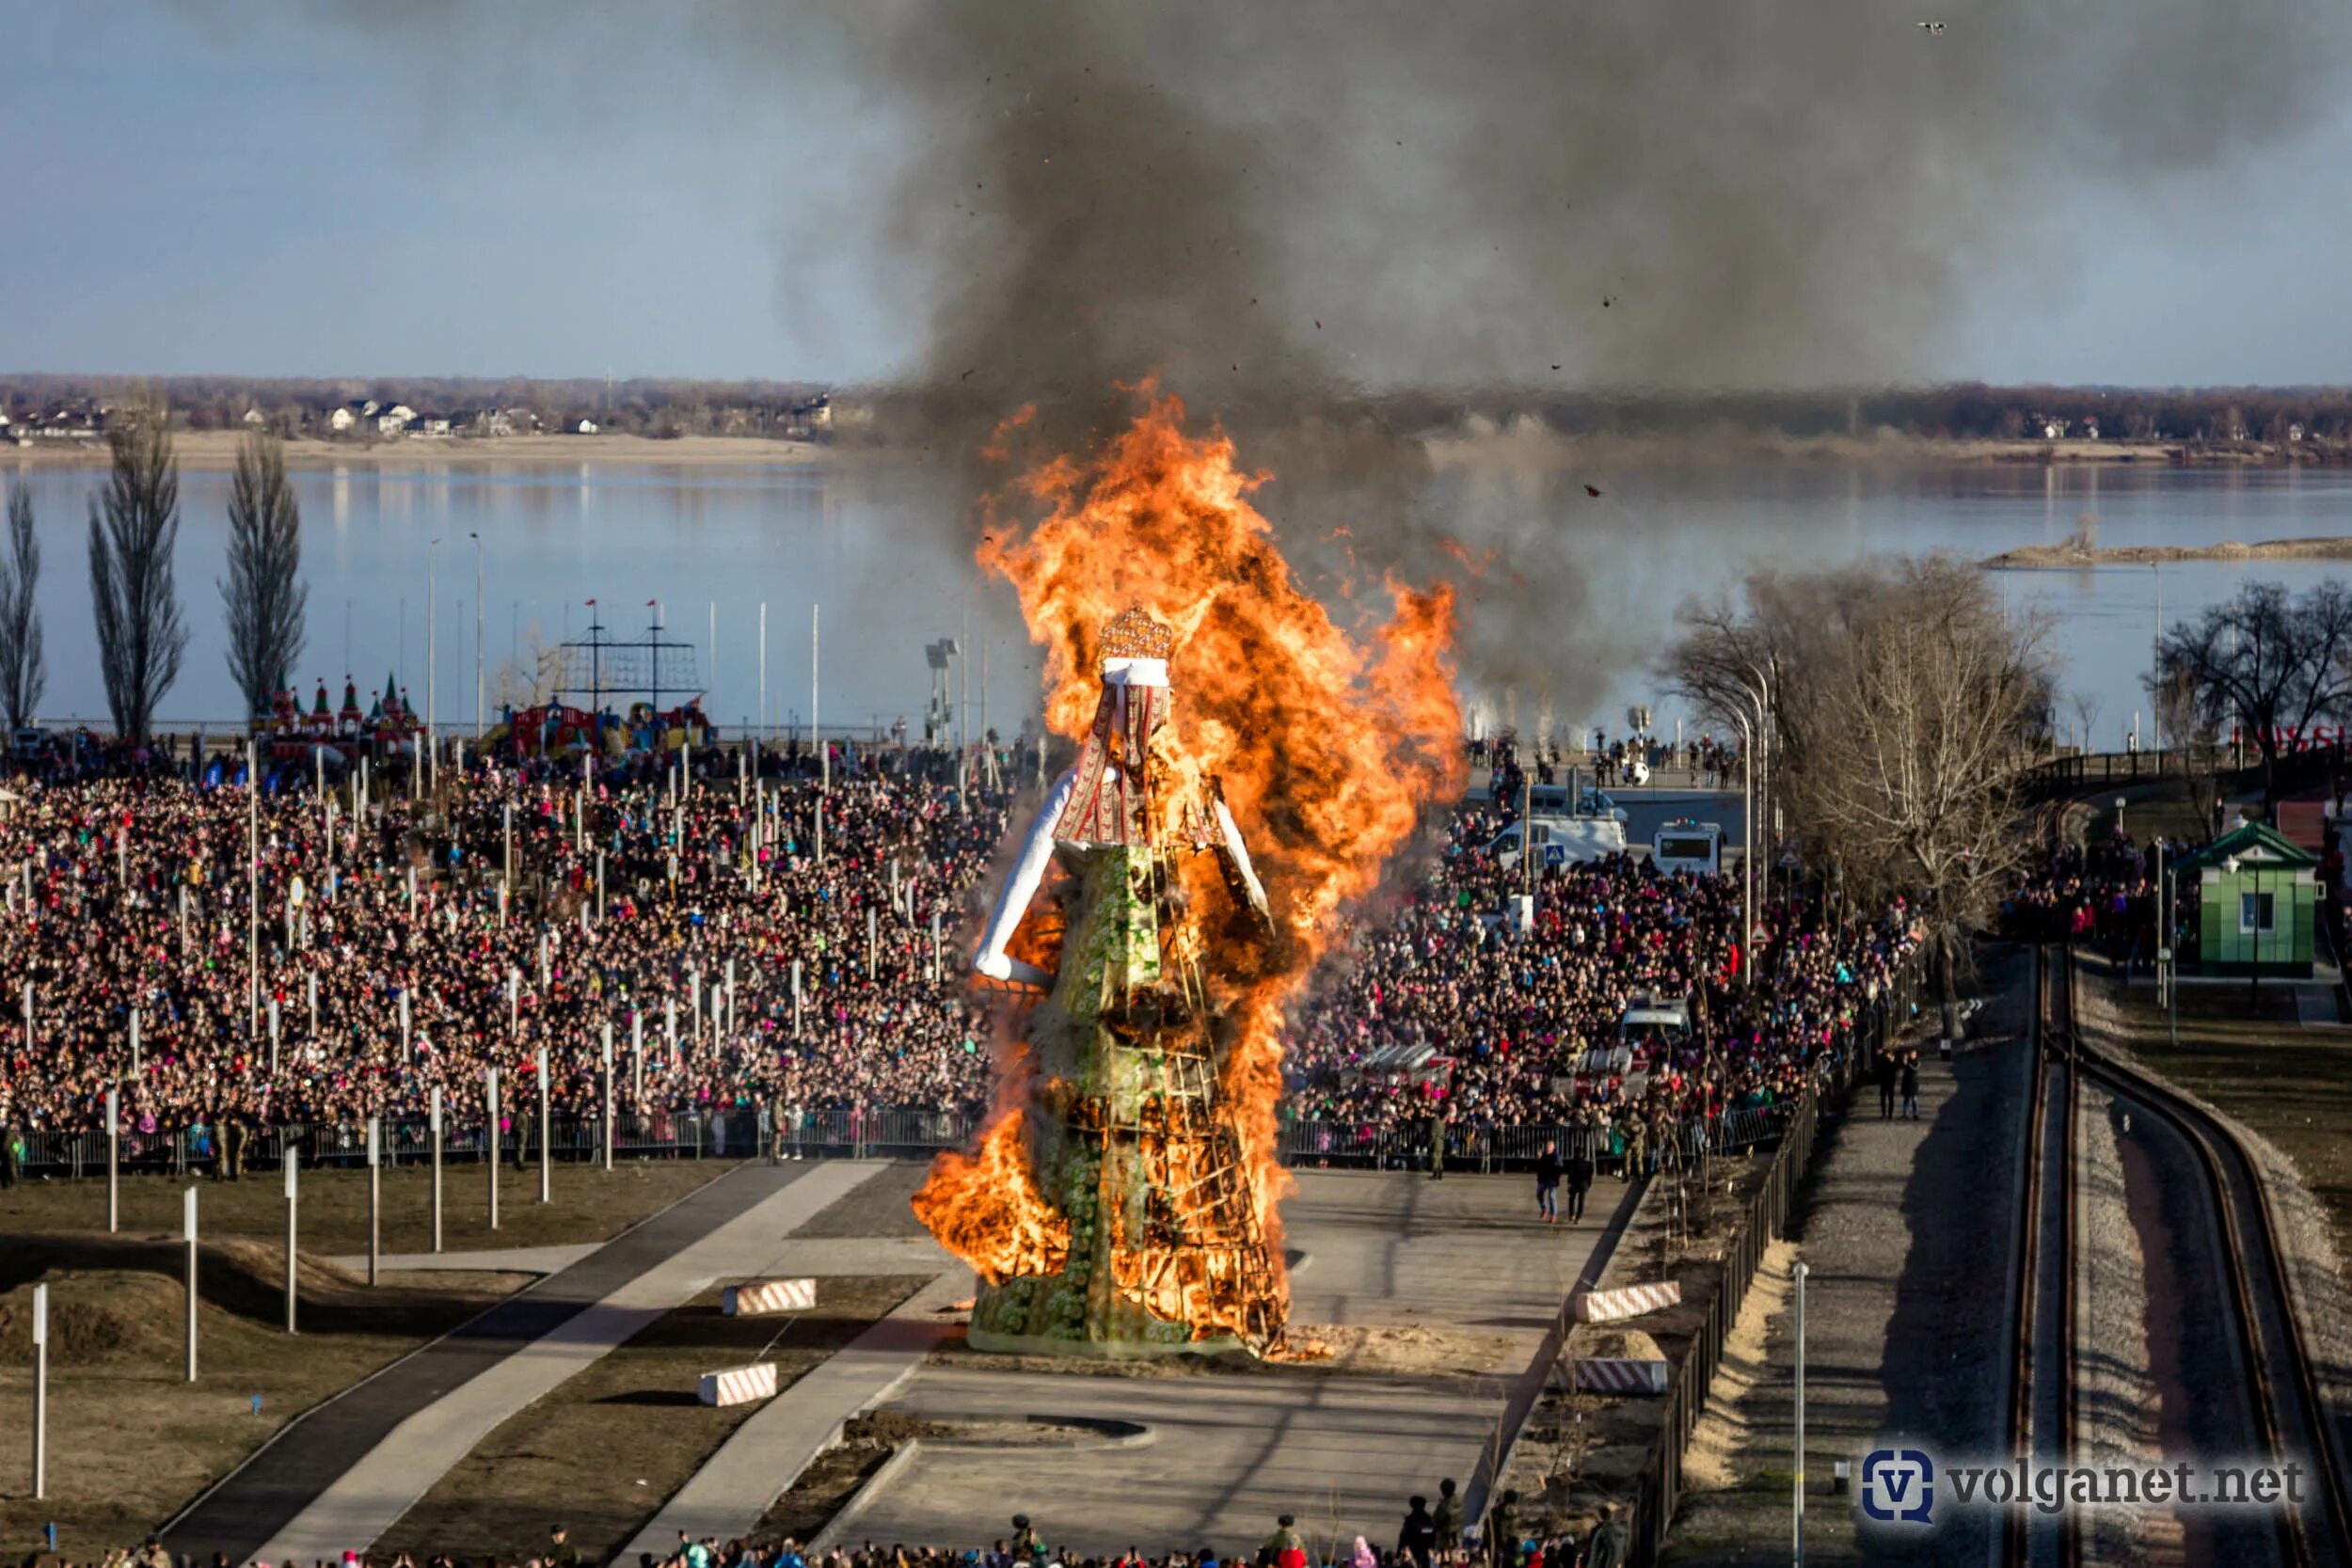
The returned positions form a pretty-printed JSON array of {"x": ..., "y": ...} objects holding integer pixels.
[
  {"x": 1687, "y": 846},
  {"x": 1562, "y": 840}
]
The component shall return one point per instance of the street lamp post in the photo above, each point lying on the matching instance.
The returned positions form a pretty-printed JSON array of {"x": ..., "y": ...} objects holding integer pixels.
[
  {"x": 2156, "y": 671},
  {"x": 477, "y": 634},
  {"x": 1747, "y": 849},
  {"x": 432, "y": 649},
  {"x": 1798, "y": 1501}
]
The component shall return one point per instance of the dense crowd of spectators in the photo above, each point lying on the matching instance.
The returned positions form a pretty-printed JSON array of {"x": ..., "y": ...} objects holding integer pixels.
[
  {"x": 2102, "y": 892},
  {"x": 668, "y": 916},
  {"x": 1442, "y": 1008},
  {"x": 127, "y": 887}
]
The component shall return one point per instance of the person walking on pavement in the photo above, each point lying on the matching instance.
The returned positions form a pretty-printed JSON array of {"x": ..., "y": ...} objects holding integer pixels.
[
  {"x": 1607, "y": 1548},
  {"x": 1886, "y": 1066},
  {"x": 1436, "y": 1143},
  {"x": 1579, "y": 1175},
  {"x": 233, "y": 1144},
  {"x": 1910, "y": 1085},
  {"x": 11, "y": 1155},
  {"x": 1548, "y": 1184}
]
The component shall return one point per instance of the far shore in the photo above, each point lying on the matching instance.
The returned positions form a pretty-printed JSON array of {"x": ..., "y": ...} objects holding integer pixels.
[
  {"x": 211, "y": 449},
  {"x": 2072, "y": 557},
  {"x": 1525, "y": 447}
]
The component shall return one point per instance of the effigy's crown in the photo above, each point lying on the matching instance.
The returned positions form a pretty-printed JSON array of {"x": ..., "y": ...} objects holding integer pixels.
[{"x": 1133, "y": 634}]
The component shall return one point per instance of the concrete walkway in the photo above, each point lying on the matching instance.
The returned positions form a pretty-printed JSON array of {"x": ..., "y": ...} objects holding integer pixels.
[
  {"x": 766, "y": 1453},
  {"x": 356, "y": 1464},
  {"x": 1416, "y": 1262},
  {"x": 513, "y": 1259},
  {"x": 823, "y": 1257},
  {"x": 1907, "y": 1228}
]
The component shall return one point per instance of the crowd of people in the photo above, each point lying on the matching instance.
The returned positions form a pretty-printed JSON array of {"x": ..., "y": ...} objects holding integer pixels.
[
  {"x": 783, "y": 939},
  {"x": 1432, "y": 1534},
  {"x": 1442, "y": 1010},
  {"x": 753, "y": 936}
]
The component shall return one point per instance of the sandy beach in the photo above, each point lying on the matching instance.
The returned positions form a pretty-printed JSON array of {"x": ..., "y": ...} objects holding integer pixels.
[{"x": 2072, "y": 557}]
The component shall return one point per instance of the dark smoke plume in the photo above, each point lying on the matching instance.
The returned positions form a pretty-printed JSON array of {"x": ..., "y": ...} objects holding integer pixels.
[
  {"x": 1279, "y": 209},
  {"x": 1320, "y": 221}
]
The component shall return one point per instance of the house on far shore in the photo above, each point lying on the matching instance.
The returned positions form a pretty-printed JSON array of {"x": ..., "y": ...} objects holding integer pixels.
[
  {"x": 585, "y": 427},
  {"x": 2090, "y": 428}
]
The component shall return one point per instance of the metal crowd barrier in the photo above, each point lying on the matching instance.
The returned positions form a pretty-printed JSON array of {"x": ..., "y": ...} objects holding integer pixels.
[{"x": 837, "y": 1132}]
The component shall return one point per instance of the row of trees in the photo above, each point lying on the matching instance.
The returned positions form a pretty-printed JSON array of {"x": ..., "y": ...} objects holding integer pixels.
[
  {"x": 1901, "y": 708},
  {"x": 133, "y": 540}
]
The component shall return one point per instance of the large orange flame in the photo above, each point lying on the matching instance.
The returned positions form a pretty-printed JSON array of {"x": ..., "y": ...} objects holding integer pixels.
[{"x": 1325, "y": 748}]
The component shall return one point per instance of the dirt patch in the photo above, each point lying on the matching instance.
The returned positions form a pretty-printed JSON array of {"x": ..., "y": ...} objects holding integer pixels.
[
  {"x": 1412, "y": 1351},
  {"x": 866, "y": 1444},
  {"x": 610, "y": 1446},
  {"x": 1710, "y": 1461}
]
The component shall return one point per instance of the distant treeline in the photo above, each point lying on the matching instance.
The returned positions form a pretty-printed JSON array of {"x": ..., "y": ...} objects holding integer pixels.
[
  {"x": 476, "y": 405},
  {"x": 2208, "y": 417}
]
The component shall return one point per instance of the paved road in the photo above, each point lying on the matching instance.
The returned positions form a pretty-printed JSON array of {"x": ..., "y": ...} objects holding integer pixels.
[
  {"x": 725, "y": 1498},
  {"x": 356, "y": 1444},
  {"x": 1226, "y": 1451}
]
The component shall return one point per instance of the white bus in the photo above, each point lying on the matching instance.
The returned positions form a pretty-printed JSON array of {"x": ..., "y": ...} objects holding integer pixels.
[
  {"x": 1562, "y": 840},
  {"x": 1687, "y": 846}
]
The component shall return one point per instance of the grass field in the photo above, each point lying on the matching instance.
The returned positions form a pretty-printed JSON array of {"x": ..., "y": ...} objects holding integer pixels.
[
  {"x": 130, "y": 1441},
  {"x": 604, "y": 1450},
  {"x": 589, "y": 1205},
  {"x": 2291, "y": 1084}
]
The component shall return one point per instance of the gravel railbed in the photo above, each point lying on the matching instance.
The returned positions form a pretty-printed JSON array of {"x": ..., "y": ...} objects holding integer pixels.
[{"x": 2322, "y": 1299}]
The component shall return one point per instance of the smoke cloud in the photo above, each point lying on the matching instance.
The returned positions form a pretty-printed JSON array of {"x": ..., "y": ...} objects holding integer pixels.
[
  {"x": 1290, "y": 212},
  {"x": 1316, "y": 220}
]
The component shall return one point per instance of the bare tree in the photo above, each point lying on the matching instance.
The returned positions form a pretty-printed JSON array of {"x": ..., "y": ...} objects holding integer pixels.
[
  {"x": 263, "y": 592},
  {"x": 2086, "y": 704},
  {"x": 530, "y": 674},
  {"x": 1908, "y": 706},
  {"x": 1928, "y": 728},
  {"x": 22, "y": 671},
  {"x": 133, "y": 529},
  {"x": 2269, "y": 665}
]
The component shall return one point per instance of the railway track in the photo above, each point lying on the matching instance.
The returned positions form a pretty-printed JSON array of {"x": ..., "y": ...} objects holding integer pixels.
[
  {"x": 2043, "y": 1406},
  {"x": 2265, "y": 1336}
]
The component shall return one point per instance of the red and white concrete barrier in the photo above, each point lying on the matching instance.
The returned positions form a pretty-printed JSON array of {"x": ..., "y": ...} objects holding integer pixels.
[
  {"x": 1631, "y": 1301},
  {"x": 739, "y": 1386},
  {"x": 1605, "y": 1375},
  {"x": 761, "y": 1296}
]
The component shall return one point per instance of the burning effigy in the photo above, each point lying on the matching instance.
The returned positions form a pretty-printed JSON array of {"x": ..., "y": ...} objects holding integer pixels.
[{"x": 1244, "y": 767}]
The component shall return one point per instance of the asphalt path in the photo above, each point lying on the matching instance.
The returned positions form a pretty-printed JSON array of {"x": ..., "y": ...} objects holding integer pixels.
[{"x": 248, "y": 1509}]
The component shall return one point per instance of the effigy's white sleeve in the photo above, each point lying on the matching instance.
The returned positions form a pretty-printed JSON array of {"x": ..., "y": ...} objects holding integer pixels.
[
  {"x": 1012, "y": 899},
  {"x": 1241, "y": 856}
]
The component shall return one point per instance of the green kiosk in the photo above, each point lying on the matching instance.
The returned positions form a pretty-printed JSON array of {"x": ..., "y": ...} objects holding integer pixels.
[{"x": 2257, "y": 897}]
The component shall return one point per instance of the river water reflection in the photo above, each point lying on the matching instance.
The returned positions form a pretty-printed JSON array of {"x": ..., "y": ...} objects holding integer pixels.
[{"x": 862, "y": 539}]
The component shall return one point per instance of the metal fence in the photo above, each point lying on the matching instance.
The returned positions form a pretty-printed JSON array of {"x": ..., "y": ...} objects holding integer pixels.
[
  {"x": 854, "y": 1132},
  {"x": 1660, "y": 1486}
]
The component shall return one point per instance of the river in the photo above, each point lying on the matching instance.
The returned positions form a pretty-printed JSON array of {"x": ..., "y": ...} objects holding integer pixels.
[{"x": 714, "y": 543}]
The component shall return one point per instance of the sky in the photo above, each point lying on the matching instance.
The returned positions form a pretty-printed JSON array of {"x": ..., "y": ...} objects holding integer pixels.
[{"x": 202, "y": 187}]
